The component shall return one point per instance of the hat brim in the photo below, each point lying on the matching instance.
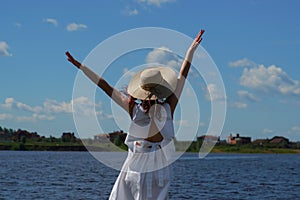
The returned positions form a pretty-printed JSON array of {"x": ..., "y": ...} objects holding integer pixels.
[{"x": 163, "y": 89}]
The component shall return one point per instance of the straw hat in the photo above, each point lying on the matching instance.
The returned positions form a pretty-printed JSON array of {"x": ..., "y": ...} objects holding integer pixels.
[{"x": 153, "y": 83}]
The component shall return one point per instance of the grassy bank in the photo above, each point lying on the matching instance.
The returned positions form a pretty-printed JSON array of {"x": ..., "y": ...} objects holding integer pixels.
[
  {"x": 241, "y": 149},
  {"x": 59, "y": 146},
  {"x": 78, "y": 146},
  {"x": 42, "y": 146}
]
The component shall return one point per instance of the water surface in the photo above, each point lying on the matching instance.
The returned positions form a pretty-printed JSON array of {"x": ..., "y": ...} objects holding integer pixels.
[{"x": 78, "y": 175}]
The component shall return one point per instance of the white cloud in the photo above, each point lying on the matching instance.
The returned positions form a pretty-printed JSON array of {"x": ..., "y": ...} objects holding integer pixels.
[
  {"x": 248, "y": 96},
  {"x": 128, "y": 73},
  {"x": 17, "y": 24},
  {"x": 201, "y": 124},
  {"x": 51, "y": 21},
  {"x": 155, "y": 2},
  {"x": 133, "y": 12},
  {"x": 75, "y": 27},
  {"x": 200, "y": 55},
  {"x": 213, "y": 93},
  {"x": 7, "y": 103},
  {"x": 183, "y": 122},
  {"x": 10, "y": 103},
  {"x": 49, "y": 106},
  {"x": 4, "y": 116},
  {"x": 266, "y": 130},
  {"x": 188, "y": 92},
  {"x": 52, "y": 106},
  {"x": 296, "y": 128},
  {"x": 238, "y": 105},
  {"x": 34, "y": 118},
  {"x": 245, "y": 62},
  {"x": 43, "y": 117},
  {"x": 270, "y": 80},
  {"x": 22, "y": 106},
  {"x": 110, "y": 116},
  {"x": 164, "y": 56},
  {"x": 130, "y": 12},
  {"x": 83, "y": 106},
  {"x": 4, "y": 49}
]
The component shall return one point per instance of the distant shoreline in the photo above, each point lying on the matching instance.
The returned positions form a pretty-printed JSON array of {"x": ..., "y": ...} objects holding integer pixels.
[
  {"x": 259, "y": 151},
  {"x": 17, "y": 146},
  {"x": 23, "y": 140}
]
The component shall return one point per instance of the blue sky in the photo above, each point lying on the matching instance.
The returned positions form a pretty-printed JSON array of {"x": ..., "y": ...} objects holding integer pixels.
[{"x": 255, "y": 45}]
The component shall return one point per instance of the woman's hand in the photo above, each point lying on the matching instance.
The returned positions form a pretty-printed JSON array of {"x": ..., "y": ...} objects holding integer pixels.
[
  {"x": 196, "y": 41},
  {"x": 193, "y": 47},
  {"x": 73, "y": 60}
]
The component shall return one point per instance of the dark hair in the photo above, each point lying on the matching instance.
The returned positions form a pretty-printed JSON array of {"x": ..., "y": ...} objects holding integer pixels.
[{"x": 146, "y": 103}]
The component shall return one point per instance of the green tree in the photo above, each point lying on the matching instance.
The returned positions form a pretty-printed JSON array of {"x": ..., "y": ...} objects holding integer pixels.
[
  {"x": 23, "y": 139},
  {"x": 68, "y": 137},
  {"x": 22, "y": 146},
  {"x": 52, "y": 139},
  {"x": 118, "y": 140}
]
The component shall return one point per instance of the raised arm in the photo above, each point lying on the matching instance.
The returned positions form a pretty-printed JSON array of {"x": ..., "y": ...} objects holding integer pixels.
[
  {"x": 184, "y": 70},
  {"x": 108, "y": 89}
]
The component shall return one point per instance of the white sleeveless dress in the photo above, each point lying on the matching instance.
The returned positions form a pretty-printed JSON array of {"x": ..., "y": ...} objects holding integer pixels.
[{"x": 145, "y": 174}]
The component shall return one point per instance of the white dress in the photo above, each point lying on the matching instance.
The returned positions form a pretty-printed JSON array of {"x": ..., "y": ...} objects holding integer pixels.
[{"x": 145, "y": 174}]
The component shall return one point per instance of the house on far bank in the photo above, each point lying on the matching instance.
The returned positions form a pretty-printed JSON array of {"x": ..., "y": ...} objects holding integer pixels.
[
  {"x": 260, "y": 142},
  {"x": 279, "y": 140},
  {"x": 19, "y": 135},
  {"x": 238, "y": 139},
  {"x": 276, "y": 141},
  {"x": 69, "y": 137},
  {"x": 119, "y": 135}
]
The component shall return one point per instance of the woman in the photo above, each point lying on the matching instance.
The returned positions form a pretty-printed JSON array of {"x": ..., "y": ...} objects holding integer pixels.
[{"x": 145, "y": 173}]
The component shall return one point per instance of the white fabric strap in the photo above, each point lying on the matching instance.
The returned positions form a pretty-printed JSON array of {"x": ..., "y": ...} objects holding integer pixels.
[
  {"x": 149, "y": 176},
  {"x": 160, "y": 172}
]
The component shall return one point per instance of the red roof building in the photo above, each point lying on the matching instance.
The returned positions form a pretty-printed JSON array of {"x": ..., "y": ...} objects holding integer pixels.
[{"x": 238, "y": 139}]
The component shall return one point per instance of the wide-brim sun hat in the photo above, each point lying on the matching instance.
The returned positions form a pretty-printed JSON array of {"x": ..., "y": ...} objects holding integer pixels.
[{"x": 153, "y": 83}]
